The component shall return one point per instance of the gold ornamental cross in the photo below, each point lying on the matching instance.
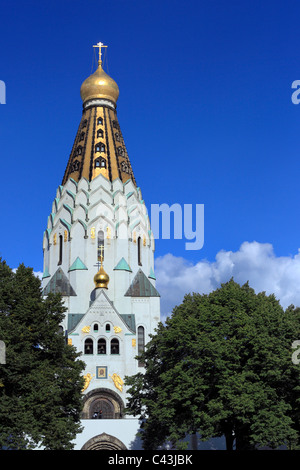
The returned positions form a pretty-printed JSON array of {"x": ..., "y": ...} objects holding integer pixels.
[
  {"x": 101, "y": 253},
  {"x": 100, "y": 45}
]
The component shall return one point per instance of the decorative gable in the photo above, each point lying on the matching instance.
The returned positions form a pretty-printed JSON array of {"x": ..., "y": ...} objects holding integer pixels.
[
  {"x": 102, "y": 310},
  {"x": 77, "y": 265},
  {"x": 122, "y": 266},
  {"x": 59, "y": 283},
  {"x": 141, "y": 287}
]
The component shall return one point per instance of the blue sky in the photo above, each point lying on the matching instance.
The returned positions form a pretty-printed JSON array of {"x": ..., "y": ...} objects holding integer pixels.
[{"x": 205, "y": 110}]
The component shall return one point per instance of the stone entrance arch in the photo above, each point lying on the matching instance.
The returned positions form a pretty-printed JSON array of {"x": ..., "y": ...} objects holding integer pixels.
[
  {"x": 104, "y": 442},
  {"x": 104, "y": 399}
]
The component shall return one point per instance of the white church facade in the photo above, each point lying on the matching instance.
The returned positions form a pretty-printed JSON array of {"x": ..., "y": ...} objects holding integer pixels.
[{"x": 99, "y": 254}]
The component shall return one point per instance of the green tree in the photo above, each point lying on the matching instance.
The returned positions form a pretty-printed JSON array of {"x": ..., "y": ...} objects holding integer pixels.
[
  {"x": 41, "y": 382},
  {"x": 221, "y": 366}
]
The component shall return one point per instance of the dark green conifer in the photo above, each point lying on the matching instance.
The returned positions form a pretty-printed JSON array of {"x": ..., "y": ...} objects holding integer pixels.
[{"x": 41, "y": 382}]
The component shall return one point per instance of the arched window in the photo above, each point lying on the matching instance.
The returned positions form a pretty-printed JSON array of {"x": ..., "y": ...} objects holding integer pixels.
[
  {"x": 100, "y": 121},
  {"x": 100, "y": 254},
  {"x": 139, "y": 244},
  {"x": 121, "y": 151},
  {"x": 79, "y": 150},
  {"x": 100, "y": 147},
  {"x": 84, "y": 123},
  {"x": 75, "y": 165},
  {"x": 125, "y": 167},
  {"x": 60, "y": 254},
  {"x": 114, "y": 346},
  {"x": 100, "y": 163},
  {"x": 88, "y": 346},
  {"x": 101, "y": 346},
  {"x": 96, "y": 327},
  {"x": 107, "y": 327},
  {"x": 100, "y": 133},
  {"x": 82, "y": 136},
  {"x": 117, "y": 136},
  {"x": 141, "y": 343}
]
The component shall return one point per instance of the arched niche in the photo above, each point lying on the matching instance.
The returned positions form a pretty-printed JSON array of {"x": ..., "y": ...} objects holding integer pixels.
[
  {"x": 104, "y": 442},
  {"x": 104, "y": 399}
]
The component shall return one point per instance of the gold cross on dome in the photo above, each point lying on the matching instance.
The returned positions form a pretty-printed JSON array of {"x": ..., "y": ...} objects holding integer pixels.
[{"x": 100, "y": 45}]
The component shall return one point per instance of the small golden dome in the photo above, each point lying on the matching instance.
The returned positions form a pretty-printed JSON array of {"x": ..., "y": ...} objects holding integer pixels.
[
  {"x": 99, "y": 85},
  {"x": 101, "y": 279}
]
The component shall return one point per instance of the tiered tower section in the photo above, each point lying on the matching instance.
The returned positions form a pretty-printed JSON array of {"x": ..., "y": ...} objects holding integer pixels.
[{"x": 85, "y": 217}]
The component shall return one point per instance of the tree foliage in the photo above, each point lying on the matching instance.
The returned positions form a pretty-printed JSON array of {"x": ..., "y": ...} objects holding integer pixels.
[
  {"x": 41, "y": 382},
  {"x": 221, "y": 366}
]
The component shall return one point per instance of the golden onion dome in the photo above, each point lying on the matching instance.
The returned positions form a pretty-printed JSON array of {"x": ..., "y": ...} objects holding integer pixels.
[
  {"x": 99, "y": 85},
  {"x": 101, "y": 279}
]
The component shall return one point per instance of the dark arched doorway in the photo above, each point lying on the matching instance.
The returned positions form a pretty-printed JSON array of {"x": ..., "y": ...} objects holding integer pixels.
[
  {"x": 105, "y": 400},
  {"x": 102, "y": 408}
]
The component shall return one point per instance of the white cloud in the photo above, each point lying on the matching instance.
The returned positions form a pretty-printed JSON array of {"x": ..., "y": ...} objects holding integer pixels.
[{"x": 254, "y": 262}]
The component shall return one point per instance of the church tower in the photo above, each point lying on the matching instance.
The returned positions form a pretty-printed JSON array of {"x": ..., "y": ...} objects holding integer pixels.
[{"x": 99, "y": 254}]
